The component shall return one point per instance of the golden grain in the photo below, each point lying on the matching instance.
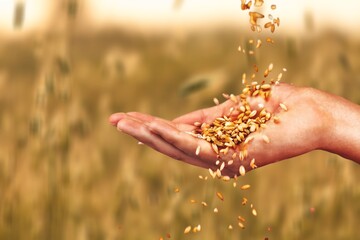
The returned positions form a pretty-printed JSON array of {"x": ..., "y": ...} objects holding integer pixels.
[
  {"x": 197, "y": 124},
  {"x": 254, "y": 16},
  {"x": 242, "y": 170},
  {"x": 266, "y": 138},
  {"x": 252, "y": 114},
  {"x": 266, "y": 73},
  {"x": 233, "y": 98},
  {"x": 258, "y": 43},
  {"x": 197, "y": 228},
  {"x": 283, "y": 106},
  {"x": 222, "y": 166},
  {"x": 277, "y": 21},
  {"x": 187, "y": 229},
  {"x": 276, "y": 119},
  {"x": 220, "y": 196},
  {"x": 269, "y": 40},
  {"x": 215, "y": 148},
  {"x": 225, "y": 178},
  {"x": 271, "y": 66},
  {"x": 197, "y": 152},
  {"x": 240, "y": 218},
  {"x": 218, "y": 173},
  {"x": 265, "y": 87},
  {"x": 245, "y": 6},
  {"x": 254, "y": 212},
  {"x": 248, "y": 139},
  {"x": 241, "y": 225},
  {"x": 243, "y": 78},
  {"x": 212, "y": 173},
  {"x": 252, "y": 164},
  {"x": 226, "y": 96},
  {"x": 245, "y": 187}
]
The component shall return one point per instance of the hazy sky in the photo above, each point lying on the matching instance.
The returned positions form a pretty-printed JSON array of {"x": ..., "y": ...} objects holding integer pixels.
[{"x": 343, "y": 14}]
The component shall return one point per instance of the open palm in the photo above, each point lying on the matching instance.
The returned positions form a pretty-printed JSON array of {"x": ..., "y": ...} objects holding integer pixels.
[{"x": 296, "y": 132}]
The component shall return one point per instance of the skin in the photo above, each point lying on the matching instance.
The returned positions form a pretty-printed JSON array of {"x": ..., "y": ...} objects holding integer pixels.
[{"x": 314, "y": 120}]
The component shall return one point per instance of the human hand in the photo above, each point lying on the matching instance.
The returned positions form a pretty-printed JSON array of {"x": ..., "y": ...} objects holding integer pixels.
[{"x": 298, "y": 131}]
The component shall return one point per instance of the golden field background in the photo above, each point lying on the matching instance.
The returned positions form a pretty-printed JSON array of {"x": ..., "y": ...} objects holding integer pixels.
[{"x": 65, "y": 173}]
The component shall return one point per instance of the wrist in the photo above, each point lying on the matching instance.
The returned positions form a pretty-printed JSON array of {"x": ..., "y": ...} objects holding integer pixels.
[{"x": 340, "y": 126}]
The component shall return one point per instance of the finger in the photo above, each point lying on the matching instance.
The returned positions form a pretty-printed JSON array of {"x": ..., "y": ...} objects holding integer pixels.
[
  {"x": 183, "y": 141},
  {"x": 149, "y": 118},
  {"x": 205, "y": 115},
  {"x": 141, "y": 132},
  {"x": 116, "y": 117}
]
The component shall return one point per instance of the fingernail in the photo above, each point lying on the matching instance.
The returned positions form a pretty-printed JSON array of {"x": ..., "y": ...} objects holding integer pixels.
[{"x": 118, "y": 127}]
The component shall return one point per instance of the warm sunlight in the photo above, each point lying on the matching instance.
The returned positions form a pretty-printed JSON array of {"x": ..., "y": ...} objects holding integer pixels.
[{"x": 170, "y": 14}]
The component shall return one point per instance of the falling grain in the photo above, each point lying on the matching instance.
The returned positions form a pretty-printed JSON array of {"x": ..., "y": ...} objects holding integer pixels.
[
  {"x": 245, "y": 187},
  {"x": 254, "y": 212},
  {"x": 222, "y": 166},
  {"x": 269, "y": 40},
  {"x": 242, "y": 170},
  {"x": 252, "y": 164},
  {"x": 271, "y": 66},
  {"x": 204, "y": 204},
  {"x": 241, "y": 225},
  {"x": 258, "y": 44},
  {"x": 226, "y": 178},
  {"x": 212, "y": 173},
  {"x": 187, "y": 229},
  {"x": 220, "y": 196},
  {"x": 197, "y": 228},
  {"x": 240, "y": 218}
]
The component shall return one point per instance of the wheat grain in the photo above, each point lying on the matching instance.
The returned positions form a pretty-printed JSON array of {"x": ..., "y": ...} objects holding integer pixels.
[{"x": 187, "y": 229}]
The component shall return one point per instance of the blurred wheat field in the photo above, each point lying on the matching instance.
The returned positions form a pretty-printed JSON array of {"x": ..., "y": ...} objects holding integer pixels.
[{"x": 65, "y": 173}]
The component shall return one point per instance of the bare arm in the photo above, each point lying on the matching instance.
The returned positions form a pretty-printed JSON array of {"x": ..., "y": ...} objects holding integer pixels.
[
  {"x": 314, "y": 120},
  {"x": 342, "y": 118}
]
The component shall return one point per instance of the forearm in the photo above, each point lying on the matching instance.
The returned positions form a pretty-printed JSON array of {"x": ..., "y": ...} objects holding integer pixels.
[{"x": 342, "y": 120}]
